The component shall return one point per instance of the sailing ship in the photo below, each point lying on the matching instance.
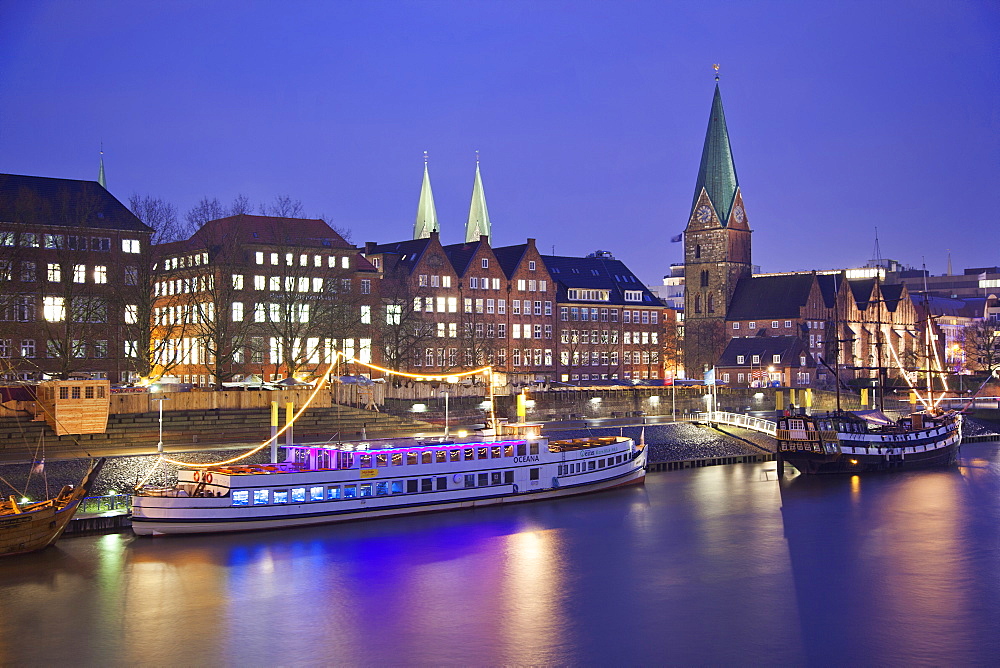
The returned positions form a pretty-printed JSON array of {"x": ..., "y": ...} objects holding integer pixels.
[
  {"x": 868, "y": 440},
  {"x": 29, "y": 527},
  {"x": 318, "y": 484}
]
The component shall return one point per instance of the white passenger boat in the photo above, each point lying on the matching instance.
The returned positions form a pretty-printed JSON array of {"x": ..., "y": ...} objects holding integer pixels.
[{"x": 319, "y": 484}]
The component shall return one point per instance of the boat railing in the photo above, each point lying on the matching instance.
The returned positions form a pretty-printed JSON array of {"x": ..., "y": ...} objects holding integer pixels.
[
  {"x": 740, "y": 420},
  {"x": 104, "y": 504}
]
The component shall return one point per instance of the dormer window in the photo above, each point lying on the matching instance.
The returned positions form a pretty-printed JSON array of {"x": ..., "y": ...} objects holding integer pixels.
[{"x": 741, "y": 359}]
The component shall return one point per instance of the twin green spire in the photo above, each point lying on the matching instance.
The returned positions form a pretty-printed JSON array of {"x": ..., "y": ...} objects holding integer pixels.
[{"x": 476, "y": 226}]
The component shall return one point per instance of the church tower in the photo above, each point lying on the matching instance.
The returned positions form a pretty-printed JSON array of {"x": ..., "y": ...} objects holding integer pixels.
[{"x": 716, "y": 247}]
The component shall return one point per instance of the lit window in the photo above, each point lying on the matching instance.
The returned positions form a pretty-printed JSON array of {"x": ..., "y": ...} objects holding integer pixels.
[
  {"x": 241, "y": 497},
  {"x": 776, "y": 359},
  {"x": 237, "y": 311},
  {"x": 130, "y": 245},
  {"x": 260, "y": 497},
  {"x": 316, "y": 493},
  {"x": 281, "y": 496},
  {"x": 298, "y": 494},
  {"x": 131, "y": 314},
  {"x": 486, "y": 263},
  {"x": 54, "y": 309},
  {"x": 237, "y": 281},
  {"x": 100, "y": 274}
]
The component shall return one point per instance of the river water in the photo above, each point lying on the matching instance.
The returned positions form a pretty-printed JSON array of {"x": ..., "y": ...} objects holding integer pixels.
[{"x": 721, "y": 565}]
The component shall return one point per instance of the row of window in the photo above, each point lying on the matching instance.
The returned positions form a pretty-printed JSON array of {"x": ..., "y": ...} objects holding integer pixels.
[
  {"x": 606, "y": 358},
  {"x": 442, "y": 357},
  {"x": 264, "y": 497},
  {"x": 185, "y": 261},
  {"x": 574, "y": 313},
  {"x": 645, "y": 374},
  {"x": 490, "y": 306},
  {"x": 608, "y": 337},
  {"x": 303, "y": 260},
  {"x": 70, "y": 242},
  {"x": 78, "y": 348},
  {"x": 775, "y": 359},
  {"x": 436, "y": 456},
  {"x": 590, "y": 465},
  {"x": 54, "y": 273},
  {"x": 314, "y": 350}
]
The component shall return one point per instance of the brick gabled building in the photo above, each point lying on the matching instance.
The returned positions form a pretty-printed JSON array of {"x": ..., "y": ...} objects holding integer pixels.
[
  {"x": 71, "y": 256},
  {"x": 532, "y": 296},
  {"x": 763, "y": 361},
  {"x": 260, "y": 295},
  {"x": 610, "y": 326}
]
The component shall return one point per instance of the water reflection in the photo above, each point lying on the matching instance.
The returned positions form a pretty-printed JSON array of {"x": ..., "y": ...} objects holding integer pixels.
[{"x": 706, "y": 566}]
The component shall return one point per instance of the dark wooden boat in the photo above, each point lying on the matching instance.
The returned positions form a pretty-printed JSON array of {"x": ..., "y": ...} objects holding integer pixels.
[
  {"x": 868, "y": 441},
  {"x": 35, "y": 526}
]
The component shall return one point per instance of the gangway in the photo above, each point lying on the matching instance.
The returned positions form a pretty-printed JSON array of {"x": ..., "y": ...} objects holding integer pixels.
[{"x": 762, "y": 425}]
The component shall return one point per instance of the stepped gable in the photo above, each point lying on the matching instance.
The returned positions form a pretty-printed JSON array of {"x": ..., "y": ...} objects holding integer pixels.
[
  {"x": 791, "y": 348},
  {"x": 64, "y": 203},
  {"x": 770, "y": 297}
]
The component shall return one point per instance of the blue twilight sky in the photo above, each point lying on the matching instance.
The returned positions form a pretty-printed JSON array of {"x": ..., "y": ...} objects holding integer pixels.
[{"x": 589, "y": 116}]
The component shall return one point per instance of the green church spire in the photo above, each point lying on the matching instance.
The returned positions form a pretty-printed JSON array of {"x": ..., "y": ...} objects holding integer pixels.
[
  {"x": 479, "y": 216},
  {"x": 427, "y": 221},
  {"x": 717, "y": 174},
  {"x": 100, "y": 173}
]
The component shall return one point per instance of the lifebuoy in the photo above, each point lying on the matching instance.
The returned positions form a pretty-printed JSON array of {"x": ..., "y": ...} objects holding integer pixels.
[
  {"x": 208, "y": 478},
  {"x": 197, "y": 476}
]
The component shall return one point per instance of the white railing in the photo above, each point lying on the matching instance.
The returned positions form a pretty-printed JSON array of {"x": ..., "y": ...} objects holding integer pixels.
[{"x": 740, "y": 420}]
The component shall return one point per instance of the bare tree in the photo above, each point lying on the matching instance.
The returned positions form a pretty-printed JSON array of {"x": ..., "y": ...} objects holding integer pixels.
[
  {"x": 981, "y": 343},
  {"x": 159, "y": 215},
  {"x": 402, "y": 331}
]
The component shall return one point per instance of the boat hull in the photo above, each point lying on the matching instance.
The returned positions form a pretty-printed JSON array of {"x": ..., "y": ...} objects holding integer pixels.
[
  {"x": 32, "y": 531},
  {"x": 819, "y": 464},
  {"x": 445, "y": 484}
]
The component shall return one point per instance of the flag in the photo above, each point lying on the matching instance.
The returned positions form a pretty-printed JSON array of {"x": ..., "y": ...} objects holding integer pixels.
[
  {"x": 710, "y": 376},
  {"x": 677, "y": 238}
]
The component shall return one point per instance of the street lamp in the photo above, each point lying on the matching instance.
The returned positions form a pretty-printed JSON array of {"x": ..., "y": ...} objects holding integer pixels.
[{"x": 160, "y": 399}]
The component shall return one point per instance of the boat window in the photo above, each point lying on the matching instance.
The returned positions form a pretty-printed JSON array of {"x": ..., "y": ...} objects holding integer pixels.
[
  {"x": 495, "y": 452},
  {"x": 455, "y": 455},
  {"x": 442, "y": 483},
  {"x": 382, "y": 488},
  {"x": 411, "y": 486},
  {"x": 366, "y": 461},
  {"x": 508, "y": 477},
  {"x": 533, "y": 474},
  {"x": 484, "y": 479},
  {"x": 298, "y": 494},
  {"x": 522, "y": 449},
  {"x": 508, "y": 451},
  {"x": 470, "y": 480},
  {"x": 495, "y": 478},
  {"x": 397, "y": 459},
  {"x": 260, "y": 497},
  {"x": 440, "y": 456},
  {"x": 482, "y": 453},
  {"x": 600, "y": 463},
  {"x": 366, "y": 489},
  {"x": 469, "y": 454},
  {"x": 241, "y": 497},
  {"x": 315, "y": 493},
  {"x": 397, "y": 486},
  {"x": 346, "y": 460},
  {"x": 100, "y": 392},
  {"x": 89, "y": 392},
  {"x": 533, "y": 449},
  {"x": 333, "y": 492},
  {"x": 411, "y": 457},
  {"x": 426, "y": 456},
  {"x": 427, "y": 485},
  {"x": 591, "y": 465},
  {"x": 382, "y": 459},
  {"x": 281, "y": 496},
  {"x": 350, "y": 491}
]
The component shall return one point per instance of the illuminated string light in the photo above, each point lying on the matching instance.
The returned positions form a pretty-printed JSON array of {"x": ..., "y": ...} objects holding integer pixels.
[{"x": 488, "y": 370}]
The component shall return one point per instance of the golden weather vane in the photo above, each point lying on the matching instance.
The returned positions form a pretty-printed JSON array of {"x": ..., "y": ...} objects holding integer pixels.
[{"x": 716, "y": 68}]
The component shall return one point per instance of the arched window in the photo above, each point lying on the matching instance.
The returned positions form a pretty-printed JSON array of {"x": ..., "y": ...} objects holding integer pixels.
[
  {"x": 711, "y": 303},
  {"x": 697, "y": 303},
  {"x": 697, "y": 250}
]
